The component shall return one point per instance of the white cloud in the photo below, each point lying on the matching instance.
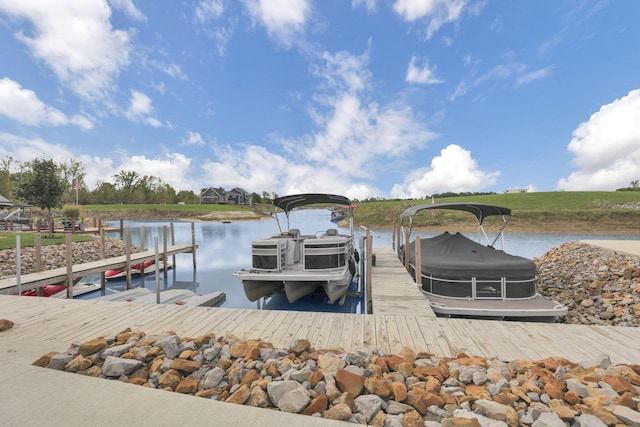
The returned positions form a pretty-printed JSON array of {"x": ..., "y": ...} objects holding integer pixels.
[
  {"x": 453, "y": 170},
  {"x": 208, "y": 16},
  {"x": 193, "y": 138},
  {"x": 171, "y": 69},
  {"x": 421, "y": 75},
  {"x": 284, "y": 19},
  {"x": 24, "y": 106},
  {"x": 437, "y": 12},
  {"x": 140, "y": 109},
  {"x": 173, "y": 168},
  {"x": 129, "y": 8},
  {"x": 370, "y": 5},
  {"x": 606, "y": 148},
  {"x": 354, "y": 142},
  {"x": 343, "y": 71},
  {"x": 208, "y": 10},
  {"x": 76, "y": 40},
  {"x": 532, "y": 76}
]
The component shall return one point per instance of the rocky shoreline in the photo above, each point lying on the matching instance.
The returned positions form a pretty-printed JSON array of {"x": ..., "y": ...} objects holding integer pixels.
[
  {"x": 55, "y": 256},
  {"x": 600, "y": 286},
  {"x": 363, "y": 386}
]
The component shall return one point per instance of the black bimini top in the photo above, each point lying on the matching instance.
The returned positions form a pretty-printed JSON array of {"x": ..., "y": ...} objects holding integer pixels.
[
  {"x": 481, "y": 211},
  {"x": 289, "y": 203}
]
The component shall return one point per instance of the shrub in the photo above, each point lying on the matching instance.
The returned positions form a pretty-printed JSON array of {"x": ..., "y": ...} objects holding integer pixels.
[{"x": 71, "y": 211}]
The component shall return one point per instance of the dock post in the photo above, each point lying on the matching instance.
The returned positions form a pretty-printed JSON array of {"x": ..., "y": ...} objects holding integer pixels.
[
  {"x": 164, "y": 252},
  {"x": 69, "y": 266},
  {"x": 368, "y": 275},
  {"x": 121, "y": 228},
  {"x": 157, "y": 272},
  {"x": 193, "y": 244},
  {"x": 38, "y": 251},
  {"x": 18, "y": 264},
  {"x": 142, "y": 237},
  {"x": 173, "y": 242},
  {"x": 127, "y": 264},
  {"x": 103, "y": 282},
  {"x": 406, "y": 249},
  {"x": 142, "y": 247},
  {"x": 418, "y": 267},
  {"x": 393, "y": 236}
]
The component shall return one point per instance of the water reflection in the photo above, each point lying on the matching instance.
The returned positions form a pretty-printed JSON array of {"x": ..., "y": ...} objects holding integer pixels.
[{"x": 226, "y": 247}]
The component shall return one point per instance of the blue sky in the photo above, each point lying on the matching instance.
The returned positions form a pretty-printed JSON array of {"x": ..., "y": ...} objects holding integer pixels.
[{"x": 393, "y": 98}]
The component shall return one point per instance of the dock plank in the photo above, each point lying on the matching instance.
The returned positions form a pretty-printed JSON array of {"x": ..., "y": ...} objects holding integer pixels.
[
  {"x": 399, "y": 319},
  {"x": 59, "y": 275}
]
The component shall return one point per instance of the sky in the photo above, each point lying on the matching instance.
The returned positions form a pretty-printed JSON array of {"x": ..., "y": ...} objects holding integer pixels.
[{"x": 363, "y": 98}]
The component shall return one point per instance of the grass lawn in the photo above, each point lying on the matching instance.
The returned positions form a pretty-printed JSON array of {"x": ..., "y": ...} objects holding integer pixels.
[{"x": 28, "y": 239}]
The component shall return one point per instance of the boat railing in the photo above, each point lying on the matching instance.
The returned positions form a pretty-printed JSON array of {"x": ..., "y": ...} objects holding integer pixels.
[
  {"x": 475, "y": 288},
  {"x": 326, "y": 253}
]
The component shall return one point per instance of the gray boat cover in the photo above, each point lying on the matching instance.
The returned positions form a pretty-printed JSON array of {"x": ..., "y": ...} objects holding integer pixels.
[{"x": 454, "y": 256}]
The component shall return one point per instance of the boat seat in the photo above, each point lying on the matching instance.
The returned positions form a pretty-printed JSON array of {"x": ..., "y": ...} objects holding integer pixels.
[
  {"x": 295, "y": 233},
  {"x": 331, "y": 232}
]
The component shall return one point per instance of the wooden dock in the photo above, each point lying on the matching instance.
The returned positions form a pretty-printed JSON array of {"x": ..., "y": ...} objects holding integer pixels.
[
  {"x": 59, "y": 275},
  {"x": 395, "y": 323}
]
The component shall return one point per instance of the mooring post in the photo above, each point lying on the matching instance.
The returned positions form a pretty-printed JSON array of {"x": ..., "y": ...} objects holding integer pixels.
[
  {"x": 127, "y": 264},
  {"x": 393, "y": 236},
  {"x": 193, "y": 244},
  {"x": 368, "y": 275},
  {"x": 103, "y": 282},
  {"x": 38, "y": 251},
  {"x": 418, "y": 266},
  {"x": 142, "y": 247},
  {"x": 157, "y": 272},
  {"x": 406, "y": 249},
  {"x": 69, "y": 266},
  {"x": 18, "y": 264},
  {"x": 165, "y": 261},
  {"x": 173, "y": 242}
]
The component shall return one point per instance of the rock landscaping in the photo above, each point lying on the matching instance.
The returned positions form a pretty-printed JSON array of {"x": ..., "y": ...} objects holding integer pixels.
[
  {"x": 600, "y": 287},
  {"x": 55, "y": 256},
  {"x": 363, "y": 386}
]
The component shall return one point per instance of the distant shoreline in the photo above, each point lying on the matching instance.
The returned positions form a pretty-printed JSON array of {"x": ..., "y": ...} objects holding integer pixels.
[{"x": 515, "y": 226}]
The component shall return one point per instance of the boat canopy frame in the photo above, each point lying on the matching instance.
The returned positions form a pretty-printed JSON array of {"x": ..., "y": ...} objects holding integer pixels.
[
  {"x": 479, "y": 210},
  {"x": 291, "y": 202}
]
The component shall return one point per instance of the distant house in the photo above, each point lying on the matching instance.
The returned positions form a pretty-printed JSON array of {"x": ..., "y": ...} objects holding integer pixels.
[
  {"x": 4, "y": 203},
  {"x": 212, "y": 195},
  {"x": 239, "y": 196},
  {"x": 515, "y": 190},
  {"x": 219, "y": 195}
]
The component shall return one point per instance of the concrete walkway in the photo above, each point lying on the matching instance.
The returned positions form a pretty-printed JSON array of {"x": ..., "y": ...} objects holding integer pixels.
[
  {"x": 34, "y": 396},
  {"x": 629, "y": 247}
]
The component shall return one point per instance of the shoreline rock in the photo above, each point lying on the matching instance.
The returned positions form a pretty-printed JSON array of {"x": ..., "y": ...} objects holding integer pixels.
[
  {"x": 600, "y": 286},
  {"x": 364, "y": 386},
  {"x": 55, "y": 256}
]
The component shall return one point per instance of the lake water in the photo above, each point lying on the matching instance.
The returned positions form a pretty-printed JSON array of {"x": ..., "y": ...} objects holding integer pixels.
[{"x": 226, "y": 247}]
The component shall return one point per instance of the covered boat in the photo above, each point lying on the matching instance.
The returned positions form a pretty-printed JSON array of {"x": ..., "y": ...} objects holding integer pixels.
[
  {"x": 463, "y": 277},
  {"x": 300, "y": 264}
]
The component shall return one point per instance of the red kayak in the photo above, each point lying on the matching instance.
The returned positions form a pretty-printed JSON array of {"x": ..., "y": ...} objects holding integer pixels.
[
  {"x": 48, "y": 290},
  {"x": 135, "y": 269}
]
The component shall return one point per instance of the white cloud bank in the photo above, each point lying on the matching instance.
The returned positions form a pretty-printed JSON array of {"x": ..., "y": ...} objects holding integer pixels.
[
  {"x": 284, "y": 20},
  {"x": 75, "y": 39},
  {"x": 24, "y": 106},
  {"x": 453, "y": 170},
  {"x": 606, "y": 148}
]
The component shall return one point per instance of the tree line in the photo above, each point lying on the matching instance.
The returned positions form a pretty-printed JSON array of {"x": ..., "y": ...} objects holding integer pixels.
[{"x": 49, "y": 184}]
